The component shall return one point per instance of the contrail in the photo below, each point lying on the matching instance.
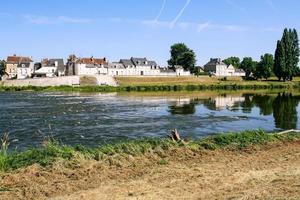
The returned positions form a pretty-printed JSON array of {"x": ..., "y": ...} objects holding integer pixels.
[
  {"x": 161, "y": 10},
  {"x": 172, "y": 24},
  {"x": 271, "y": 4},
  {"x": 233, "y": 4}
]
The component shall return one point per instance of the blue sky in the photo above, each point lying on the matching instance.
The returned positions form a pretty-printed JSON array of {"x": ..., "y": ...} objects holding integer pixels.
[{"x": 143, "y": 28}]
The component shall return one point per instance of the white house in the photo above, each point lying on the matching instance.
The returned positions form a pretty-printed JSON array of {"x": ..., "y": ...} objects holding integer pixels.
[
  {"x": 19, "y": 67},
  {"x": 25, "y": 68},
  {"x": 142, "y": 67},
  {"x": 218, "y": 68},
  {"x": 125, "y": 67},
  {"x": 89, "y": 66},
  {"x": 50, "y": 68}
]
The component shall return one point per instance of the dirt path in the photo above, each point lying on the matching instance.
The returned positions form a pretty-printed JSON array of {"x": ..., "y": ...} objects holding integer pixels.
[{"x": 269, "y": 172}]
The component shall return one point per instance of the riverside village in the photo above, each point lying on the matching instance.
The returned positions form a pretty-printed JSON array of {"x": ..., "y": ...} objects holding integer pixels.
[
  {"x": 161, "y": 99},
  {"x": 22, "y": 70}
]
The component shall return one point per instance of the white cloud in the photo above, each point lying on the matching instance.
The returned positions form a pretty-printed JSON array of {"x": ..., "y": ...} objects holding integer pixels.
[
  {"x": 41, "y": 20},
  {"x": 203, "y": 26}
]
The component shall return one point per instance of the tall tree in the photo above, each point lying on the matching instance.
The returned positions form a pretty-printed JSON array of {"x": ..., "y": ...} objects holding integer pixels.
[
  {"x": 182, "y": 55},
  {"x": 295, "y": 51},
  {"x": 234, "y": 61},
  {"x": 279, "y": 64},
  {"x": 287, "y": 55},
  {"x": 248, "y": 65},
  {"x": 2, "y": 67},
  {"x": 265, "y": 66}
]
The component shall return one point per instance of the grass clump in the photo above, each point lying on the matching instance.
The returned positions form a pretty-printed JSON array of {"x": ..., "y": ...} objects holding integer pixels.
[
  {"x": 52, "y": 150},
  {"x": 243, "y": 139}
]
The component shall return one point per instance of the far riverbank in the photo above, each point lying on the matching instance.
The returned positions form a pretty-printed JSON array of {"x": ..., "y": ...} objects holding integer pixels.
[{"x": 148, "y": 84}]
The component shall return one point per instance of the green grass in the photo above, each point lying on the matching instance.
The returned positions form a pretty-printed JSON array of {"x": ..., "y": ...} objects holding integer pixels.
[
  {"x": 165, "y": 87},
  {"x": 145, "y": 84},
  {"x": 47, "y": 155}
]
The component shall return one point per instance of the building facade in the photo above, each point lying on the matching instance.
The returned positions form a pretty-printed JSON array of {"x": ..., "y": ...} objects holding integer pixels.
[
  {"x": 218, "y": 68},
  {"x": 19, "y": 67},
  {"x": 50, "y": 68},
  {"x": 125, "y": 67}
]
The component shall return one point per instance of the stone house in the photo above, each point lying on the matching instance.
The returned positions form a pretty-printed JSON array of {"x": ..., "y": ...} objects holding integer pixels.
[
  {"x": 85, "y": 66},
  {"x": 50, "y": 68},
  {"x": 18, "y": 67},
  {"x": 89, "y": 66},
  {"x": 218, "y": 68}
]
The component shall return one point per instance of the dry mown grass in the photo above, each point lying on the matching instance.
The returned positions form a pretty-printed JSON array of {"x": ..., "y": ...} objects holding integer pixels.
[
  {"x": 192, "y": 80},
  {"x": 248, "y": 165},
  {"x": 260, "y": 172}
]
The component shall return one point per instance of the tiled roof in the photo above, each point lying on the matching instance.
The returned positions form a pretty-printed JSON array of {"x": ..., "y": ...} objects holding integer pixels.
[
  {"x": 92, "y": 61},
  {"x": 18, "y": 59}
]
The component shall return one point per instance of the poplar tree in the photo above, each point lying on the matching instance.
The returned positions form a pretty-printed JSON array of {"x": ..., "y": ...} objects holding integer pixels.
[{"x": 287, "y": 55}]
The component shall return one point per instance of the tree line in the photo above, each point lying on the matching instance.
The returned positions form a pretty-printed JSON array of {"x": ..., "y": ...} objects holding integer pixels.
[{"x": 283, "y": 64}]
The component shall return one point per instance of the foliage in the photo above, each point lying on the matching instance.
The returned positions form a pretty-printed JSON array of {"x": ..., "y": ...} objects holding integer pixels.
[
  {"x": 182, "y": 55},
  {"x": 3, "y": 151},
  {"x": 264, "y": 67},
  {"x": 248, "y": 65},
  {"x": 234, "y": 61},
  {"x": 2, "y": 67},
  {"x": 285, "y": 111},
  {"x": 287, "y": 55}
]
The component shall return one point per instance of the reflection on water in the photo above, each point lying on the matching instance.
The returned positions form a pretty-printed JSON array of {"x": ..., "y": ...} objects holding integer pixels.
[
  {"x": 283, "y": 106},
  {"x": 93, "y": 119}
]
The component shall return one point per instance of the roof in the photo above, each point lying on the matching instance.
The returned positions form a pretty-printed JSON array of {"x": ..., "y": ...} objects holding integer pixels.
[
  {"x": 216, "y": 61},
  {"x": 92, "y": 61},
  {"x": 51, "y": 62},
  {"x": 143, "y": 61},
  {"x": 139, "y": 61},
  {"x": 18, "y": 59},
  {"x": 126, "y": 62},
  {"x": 116, "y": 65},
  {"x": 240, "y": 71},
  {"x": 152, "y": 63}
]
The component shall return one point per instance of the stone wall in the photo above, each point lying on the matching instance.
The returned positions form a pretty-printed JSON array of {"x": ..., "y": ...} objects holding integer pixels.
[{"x": 58, "y": 81}]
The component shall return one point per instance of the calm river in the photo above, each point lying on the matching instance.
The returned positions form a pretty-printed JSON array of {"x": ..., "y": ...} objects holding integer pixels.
[{"x": 93, "y": 119}]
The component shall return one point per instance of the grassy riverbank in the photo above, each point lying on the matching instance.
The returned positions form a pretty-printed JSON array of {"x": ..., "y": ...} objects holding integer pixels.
[
  {"x": 52, "y": 151},
  {"x": 248, "y": 165},
  {"x": 146, "y": 84}
]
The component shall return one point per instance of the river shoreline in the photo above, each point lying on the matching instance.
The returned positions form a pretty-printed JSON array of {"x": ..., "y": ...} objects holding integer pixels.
[
  {"x": 87, "y": 170},
  {"x": 150, "y": 84},
  {"x": 154, "y": 88}
]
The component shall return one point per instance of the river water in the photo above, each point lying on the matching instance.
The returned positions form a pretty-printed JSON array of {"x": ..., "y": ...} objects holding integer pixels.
[{"x": 94, "y": 119}]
